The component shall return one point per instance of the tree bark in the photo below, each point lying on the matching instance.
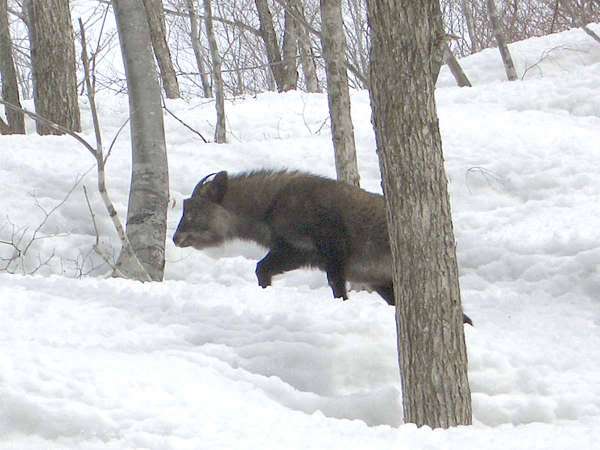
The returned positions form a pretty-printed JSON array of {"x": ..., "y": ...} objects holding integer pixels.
[
  {"x": 333, "y": 43},
  {"x": 289, "y": 66},
  {"x": 468, "y": 13},
  {"x": 267, "y": 32},
  {"x": 149, "y": 193},
  {"x": 158, "y": 34},
  {"x": 220, "y": 129},
  {"x": 10, "y": 86},
  {"x": 509, "y": 66},
  {"x": 307, "y": 60},
  {"x": 406, "y": 43},
  {"x": 455, "y": 68},
  {"x": 198, "y": 50},
  {"x": 53, "y": 64}
]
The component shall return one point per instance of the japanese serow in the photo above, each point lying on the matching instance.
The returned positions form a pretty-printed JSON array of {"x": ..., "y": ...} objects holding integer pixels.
[{"x": 305, "y": 221}]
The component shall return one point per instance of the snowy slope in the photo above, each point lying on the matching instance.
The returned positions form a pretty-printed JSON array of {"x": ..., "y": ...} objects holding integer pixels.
[{"x": 209, "y": 360}]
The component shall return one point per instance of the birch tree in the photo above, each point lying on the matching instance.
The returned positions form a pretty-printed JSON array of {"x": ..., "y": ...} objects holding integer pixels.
[
  {"x": 455, "y": 67},
  {"x": 53, "y": 64},
  {"x": 10, "y": 86},
  {"x": 333, "y": 44},
  {"x": 509, "y": 66},
  {"x": 220, "y": 128},
  {"x": 149, "y": 192},
  {"x": 407, "y": 43},
  {"x": 269, "y": 37},
  {"x": 197, "y": 48},
  {"x": 289, "y": 72},
  {"x": 158, "y": 34}
]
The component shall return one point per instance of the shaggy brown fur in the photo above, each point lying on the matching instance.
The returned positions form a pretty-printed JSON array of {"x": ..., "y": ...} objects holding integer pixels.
[{"x": 304, "y": 219}]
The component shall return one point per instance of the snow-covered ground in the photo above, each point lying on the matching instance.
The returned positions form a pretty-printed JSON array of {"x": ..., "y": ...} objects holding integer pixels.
[{"x": 208, "y": 360}]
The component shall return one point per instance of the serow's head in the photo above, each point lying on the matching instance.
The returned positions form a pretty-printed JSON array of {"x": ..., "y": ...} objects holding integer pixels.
[{"x": 205, "y": 222}]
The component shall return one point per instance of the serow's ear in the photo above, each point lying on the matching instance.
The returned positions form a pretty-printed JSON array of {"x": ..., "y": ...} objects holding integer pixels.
[{"x": 218, "y": 187}]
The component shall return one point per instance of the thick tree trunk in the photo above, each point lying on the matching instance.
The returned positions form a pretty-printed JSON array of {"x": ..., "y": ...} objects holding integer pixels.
[
  {"x": 307, "y": 59},
  {"x": 158, "y": 34},
  {"x": 198, "y": 50},
  {"x": 509, "y": 66},
  {"x": 220, "y": 129},
  {"x": 267, "y": 32},
  {"x": 149, "y": 193},
  {"x": 289, "y": 66},
  {"x": 406, "y": 43},
  {"x": 455, "y": 68},
  {"x": 53, "y": 64},
  {"x": 338, "y": 93},
  {"x": 10, "y": 86}
]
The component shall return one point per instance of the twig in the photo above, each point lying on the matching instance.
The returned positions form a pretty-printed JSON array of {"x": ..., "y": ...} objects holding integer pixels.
[
  {"x": 51, "y": 124},
  {"x": 183, "y": 123},
  {"x": 591, "y": 33}
]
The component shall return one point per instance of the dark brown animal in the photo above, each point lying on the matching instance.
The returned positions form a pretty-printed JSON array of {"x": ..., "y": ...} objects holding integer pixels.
[{"x": 305, "y": 220}]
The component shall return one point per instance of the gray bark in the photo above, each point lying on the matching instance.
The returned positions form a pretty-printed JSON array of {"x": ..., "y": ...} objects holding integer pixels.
[
  {"x": 509, "y": 66},
  {"x": 220, "y": 129},
  {"x": 158, "y": 34},
  {"x": 307, "y": 59},
  {"x": 149, "y": 193},
  {"x": 198, "y": 50},
  {"x": 267, "y": 32},
  {"x": 455, "y": 68},
  {"x": 406, "y": 43},
  {"x": 333, "y": 43},
  {"x": 468, "y": 13},
  {"x": 289, "y": 72},
  {"x": 53, "y": 63},
  {"x": 10, "y": 86}
]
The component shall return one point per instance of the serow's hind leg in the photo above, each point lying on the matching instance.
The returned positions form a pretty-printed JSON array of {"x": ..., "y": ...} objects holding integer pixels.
[{"x": 387, "y": 293}]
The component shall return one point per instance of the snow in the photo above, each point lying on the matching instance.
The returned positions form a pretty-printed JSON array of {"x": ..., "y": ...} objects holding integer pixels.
[{"x": 208, "y": 360}]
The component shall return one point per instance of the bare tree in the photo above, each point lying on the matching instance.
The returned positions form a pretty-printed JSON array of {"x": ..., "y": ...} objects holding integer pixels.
[
  {"x": 198, "y": 50},
  {"x": 156, "y": 21},
  {"x": 407, "y": 43},
  {"x": 267, "y": 32},
  {"x": 338, "y": 93},
  {"x": 220, "y": 129},
  {"x": 10, "y": 86},
  {"x": 455, "y": 68},
  {"x": 307, "y": 59},
  {"x": 149, "y": 194},
  {"x": 53, "y": 63},
  {"x": 509, "y": 66},
  {"x": 289, "y": 72}
]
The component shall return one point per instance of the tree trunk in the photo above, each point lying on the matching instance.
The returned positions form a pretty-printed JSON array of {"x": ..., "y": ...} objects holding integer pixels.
[
  {"x": 10, "y": 86},
  {"x": 455, "y": 68},
  {"x": 406, "y": 43},
  {"x": 509, "y": 66},
  {"x": 158, "y": 34},
  {"x": 289, "y": 49},
  {"x": 53, "y": 64},
  {"x": 198, "y": 50},
  {"x": 220, "y": 129},
  {"x": 149, "y": 193},
  {"x": 468, "y": 13},
  {"x": 267, "y": 32},
  {"x": 307, "y": 59},
  {"x": 333, "y": 43}
]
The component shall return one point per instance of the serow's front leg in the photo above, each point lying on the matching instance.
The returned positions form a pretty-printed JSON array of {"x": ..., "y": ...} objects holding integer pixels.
[
  {"x": 337, "y": 281},
  {"x": 282, "y": 258}
]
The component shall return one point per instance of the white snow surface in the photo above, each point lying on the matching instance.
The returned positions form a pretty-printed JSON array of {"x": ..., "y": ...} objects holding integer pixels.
[{"x": 208, "y": 360}]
